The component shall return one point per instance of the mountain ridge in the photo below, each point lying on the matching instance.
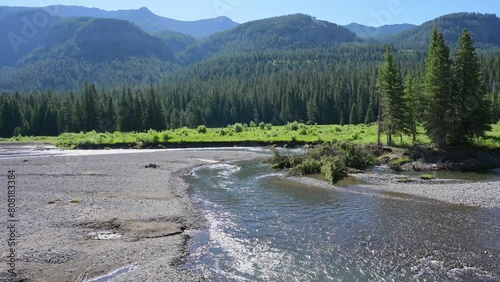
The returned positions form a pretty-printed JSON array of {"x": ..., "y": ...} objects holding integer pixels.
[
  {"x": 381, "y": 32},
  {"x": 142, "y": 17},
  {"x": 484, "y": 27}
]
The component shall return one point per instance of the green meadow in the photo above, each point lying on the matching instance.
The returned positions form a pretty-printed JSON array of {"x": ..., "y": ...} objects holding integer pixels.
[{"x": 240, "y": 133}]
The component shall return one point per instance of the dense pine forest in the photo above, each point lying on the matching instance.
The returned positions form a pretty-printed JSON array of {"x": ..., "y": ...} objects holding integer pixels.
[
  {"x": 338, "y": 82},
  {"x": 274, "y": 87}
]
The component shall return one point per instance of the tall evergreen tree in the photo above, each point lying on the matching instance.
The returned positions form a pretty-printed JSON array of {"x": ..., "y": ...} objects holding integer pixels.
[
  {"x": 471, "y": 109},
  {"x": 392, "y": 103},
  {"x": 412, "y": 106},
  {"x": 90, "y": 108},
  {"x": 437, "y": 90}
]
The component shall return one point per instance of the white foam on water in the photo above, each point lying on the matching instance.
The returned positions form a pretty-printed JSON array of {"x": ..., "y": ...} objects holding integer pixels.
[
  {"x": 246, "y": 258},
  {"x": 459, "y": 273},
  {"x": 277, "y": 174}
]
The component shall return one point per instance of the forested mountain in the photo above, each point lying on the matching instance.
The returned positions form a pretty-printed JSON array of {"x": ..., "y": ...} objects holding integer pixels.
[
  {"x": 281, "y": 33},
  {"x": 143, "y": 17},
  {"x": 176, "y": 41},
  {"x": 80, "y": 49},
  {"x": 484, "y": 27},
  {"x": 302, "y": 79},
  {"x": 20, "y": 37},
  {"x": 378, "y": 33}
]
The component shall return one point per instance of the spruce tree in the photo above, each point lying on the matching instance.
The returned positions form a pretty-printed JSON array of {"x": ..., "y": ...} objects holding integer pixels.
[
  {"x": 392, "y": 102},
  {"x": 90, "y": 107},
  {"x": 471, "y": 109},
  {"x": 437, "y": 90},
  {"x": 412, "y": 106}
]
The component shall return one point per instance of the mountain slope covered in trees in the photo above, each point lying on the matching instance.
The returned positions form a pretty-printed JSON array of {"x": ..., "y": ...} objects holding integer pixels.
[
  {"x": 484, "y": 27},
  {"x": 176, "y": 41},
  {"x": 79, "y": 49},
  {"x": 142, "y": 17},
  {"x": 378, "y": 33},
  {"x": 281, "y": 33},
  {"x": 20, "y": 36}
]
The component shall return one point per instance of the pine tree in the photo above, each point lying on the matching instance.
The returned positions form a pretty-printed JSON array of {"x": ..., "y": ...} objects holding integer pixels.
[
  {"x": 412, "y": 106},
  {"x": 392, "y": 103},
  {"x": 108, "y": 119},
  {"x": 90, "y": 107},
  {"x": 471, "y": 110},
  {"x": 437, "y": 90},
  {"x": 353, "y": 117}
]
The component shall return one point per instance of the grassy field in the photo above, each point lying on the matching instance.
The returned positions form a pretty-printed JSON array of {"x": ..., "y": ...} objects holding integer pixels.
[{"x": 359, "y": 134}]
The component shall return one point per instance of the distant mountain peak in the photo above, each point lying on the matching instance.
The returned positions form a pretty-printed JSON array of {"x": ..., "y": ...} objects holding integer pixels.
[
  {"x": 145, "y": 10},
  {"x": 142, "y": 17}
]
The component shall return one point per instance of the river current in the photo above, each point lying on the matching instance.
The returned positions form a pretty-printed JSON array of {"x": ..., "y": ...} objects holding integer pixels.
[{"x": 260, "y": 227}]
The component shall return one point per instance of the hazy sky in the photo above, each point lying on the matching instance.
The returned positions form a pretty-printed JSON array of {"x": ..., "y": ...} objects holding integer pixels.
[{"x": 370, "y": 12}]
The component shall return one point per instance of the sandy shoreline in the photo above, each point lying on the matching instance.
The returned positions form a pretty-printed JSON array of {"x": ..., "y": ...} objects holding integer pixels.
[{"x": 65, "y": 203}]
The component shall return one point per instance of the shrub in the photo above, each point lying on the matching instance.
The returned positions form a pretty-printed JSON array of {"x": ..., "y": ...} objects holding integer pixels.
[
  {"x": 303, "y": 131},
  {"x": 334, "y": 169},
  {"x": 201, "y": 129},
  {"x": 156, "y": 139},
  {"x": 223, "y": 132},
  {"x": 355, "y": 136},
  {"x": 262, "y": 125},
  {"x": 338, "y": 129},
  {"x": 269, "y": 126},
  {"x": 278, "y": 161},
  {"x": 356, "y": 156},
  {"x": 308, "y": 166},
  {"x": 294, "y": 126},
  {"x": 252, "y": 124},
  {"x": 165, "y": 137},
  {"x": 238, "y": 128}
]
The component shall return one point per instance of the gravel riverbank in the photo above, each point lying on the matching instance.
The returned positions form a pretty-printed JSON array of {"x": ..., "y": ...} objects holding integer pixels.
[
  {"x": 484, "y": 194},
  {"x": 68, "y": 206}
]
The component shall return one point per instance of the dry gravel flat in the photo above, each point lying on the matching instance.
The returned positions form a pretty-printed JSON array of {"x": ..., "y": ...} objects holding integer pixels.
[
  {"x": 68, "y": 204},
  {"x": 484, "y": 194}
]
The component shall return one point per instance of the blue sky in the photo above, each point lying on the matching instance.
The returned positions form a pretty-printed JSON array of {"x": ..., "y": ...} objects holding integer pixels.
[{"x": 369, "y": 12}]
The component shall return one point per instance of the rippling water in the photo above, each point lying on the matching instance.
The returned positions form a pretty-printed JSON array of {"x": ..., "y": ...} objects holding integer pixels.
[{"x": 262, "y": 228}]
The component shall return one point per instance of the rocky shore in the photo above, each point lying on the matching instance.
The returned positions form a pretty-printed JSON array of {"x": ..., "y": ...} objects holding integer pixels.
[
  {"x": 485, "y": 194},
  {"x": 87, "y": 215}
]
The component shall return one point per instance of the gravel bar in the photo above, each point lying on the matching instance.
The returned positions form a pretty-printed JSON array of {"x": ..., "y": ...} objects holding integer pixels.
[{"x": 94, "y": 213}]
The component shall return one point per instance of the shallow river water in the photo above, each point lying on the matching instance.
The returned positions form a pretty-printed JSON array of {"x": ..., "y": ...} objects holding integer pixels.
[{"x": 262, "y": 228}]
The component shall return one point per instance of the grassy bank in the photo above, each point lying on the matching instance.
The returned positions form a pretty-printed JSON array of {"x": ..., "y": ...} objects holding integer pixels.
[{"x": 238, "y": 134}]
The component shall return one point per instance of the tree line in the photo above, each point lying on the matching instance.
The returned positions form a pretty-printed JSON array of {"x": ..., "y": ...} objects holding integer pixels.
[
  {"x": 450, "y": 100},
  {"x": 335, "y": 85}
]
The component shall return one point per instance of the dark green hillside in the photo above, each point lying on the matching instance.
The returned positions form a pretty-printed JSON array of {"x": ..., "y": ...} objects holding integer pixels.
[
  {"x": 21, "y": 33},
  {"x": 176, "y": 41},
  {"x": 103, "y": 39},
  {"x": 484, "y": 27},
  {"x": 378, "y": 33},
  {"x": 282, "y": 33},
  {"x": 114, "y": 52}
]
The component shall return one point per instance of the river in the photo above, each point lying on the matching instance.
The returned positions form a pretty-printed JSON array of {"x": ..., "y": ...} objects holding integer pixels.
[{"x": 260, "y": 227}]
